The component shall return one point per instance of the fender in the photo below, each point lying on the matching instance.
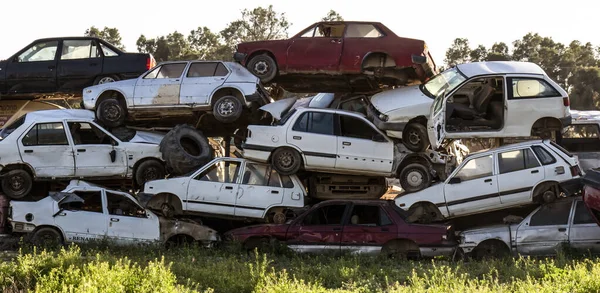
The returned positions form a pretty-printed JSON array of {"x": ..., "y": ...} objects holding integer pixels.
[
  {"x": 116, "y": 90},
  {"x": 232, "y": 86},
  {"x": 362, "y": 62}
]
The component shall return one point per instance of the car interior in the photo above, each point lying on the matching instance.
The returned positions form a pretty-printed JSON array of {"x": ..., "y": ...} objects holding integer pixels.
[{"x": 477, "y": 106}]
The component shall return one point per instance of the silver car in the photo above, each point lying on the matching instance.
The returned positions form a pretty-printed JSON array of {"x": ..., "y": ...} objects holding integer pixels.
[{"x": 566, "y": 222}]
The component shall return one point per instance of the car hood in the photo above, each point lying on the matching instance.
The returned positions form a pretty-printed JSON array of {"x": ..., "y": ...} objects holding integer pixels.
[
  {"x": 116, "y": 84},
  {"x": 147, "y": 137},
  {"x": 491, "y": 229},
  {"x": 401, "y": 98},
  {"x": 279, "y": 108}
]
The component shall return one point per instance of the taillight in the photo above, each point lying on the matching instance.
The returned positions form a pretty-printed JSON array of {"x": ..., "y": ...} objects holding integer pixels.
[
  {"x": 575, "y": 171},
  {"x": 150, "y": 62},
  {"x": 566, "y": 101}
]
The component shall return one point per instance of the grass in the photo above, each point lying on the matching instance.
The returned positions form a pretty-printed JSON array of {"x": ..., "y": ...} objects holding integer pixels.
[{"x": 192, "y": 269}]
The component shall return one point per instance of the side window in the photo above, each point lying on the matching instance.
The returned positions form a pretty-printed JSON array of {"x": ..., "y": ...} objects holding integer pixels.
[
  {"x": 355, "y": 105},
  {"x": 516, "y": 160},
  {"x": 107, "y": 51},
  {"x": 581, "y": 131},
  {"x": 476, "y": 168},
  {"x": 172, "y": 70},
  {"x": 552, "y": 214},
  {"x": 86, "y": 133},
  {"x": 356, "y": 128},
  {"x": 582, "y": 214},
  {"x": 325, "y": 30},
  {"x": 46, "y": 134},
  {"x": 287, "y": 181},
  {"x": 221, "y": 171},
  {"x": 78, "y": 49},
  {"x": 315, "y": 122},
  {"x": 309, "y": 33},
  {"x": 92, "y": 202},
  {"x": 120, "y": 205},
  {"x": 45, "y": 51},
  {"x": 327, "y": 215},
  {"x": 221, "y": 70},
  {"x": 367, "y": 215},
  {"x": 362, "y": 31},
  {"x": 545, "y": 157},
  {"x": 264, "y": 175},
  {"x": 202, "y": 69},
  {"x": 531, "y": 88}
]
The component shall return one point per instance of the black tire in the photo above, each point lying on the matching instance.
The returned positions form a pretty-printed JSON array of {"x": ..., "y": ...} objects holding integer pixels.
[
  {"x": 47, "y": 237},
  {"x": 286, "y": 161},
  {"x": 105, "y": 79},
  {"x": 17, "y": 184},
  {"x": 227, "y": 109},
  {"x": 490, "y": 250},
  {"x": 149, "y": 170},
  {"x": 184, "y": 149},
  {"x": 123, "y": 133},
  {"x": 263, "y": 66},
  {"x": 414, "y": 177},
  {"x": 415, "y": 137},
  {"x": 111, "y": 113}
]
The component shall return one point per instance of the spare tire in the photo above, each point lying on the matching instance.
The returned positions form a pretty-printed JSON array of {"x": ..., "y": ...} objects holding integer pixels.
[{"x": 184, "y": 149}]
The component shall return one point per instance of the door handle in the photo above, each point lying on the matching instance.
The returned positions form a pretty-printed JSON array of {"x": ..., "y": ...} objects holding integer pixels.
[
  {"x": 229, "y": 187},
  {"x": 62, "y": 214},
  {"x": 535, "y": 171},
  {"x": 487, "y": 180},
  {"x": 562, "y": 229},
  {"x": 274, "y": 191},
  {"x": 28, "y": 151},
  {"x": 114, "y": 219},
  {"x": 336, "y": 41},
  {"x": 346, "y": 143},
  {"x": 297, "y": 137},
  {"x": 81, "y": 150}
]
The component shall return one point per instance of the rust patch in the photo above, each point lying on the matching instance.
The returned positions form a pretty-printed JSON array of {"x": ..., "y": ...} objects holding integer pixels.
[{"x": 167, "y": 94}]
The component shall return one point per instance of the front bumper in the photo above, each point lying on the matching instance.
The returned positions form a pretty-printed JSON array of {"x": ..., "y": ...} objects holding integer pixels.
[
  {"x": 572, "y": 186},
  {"x": 566, "y": 121},
  {"x": 239, "y": 57},
  {"x": 373, "y": 115}
]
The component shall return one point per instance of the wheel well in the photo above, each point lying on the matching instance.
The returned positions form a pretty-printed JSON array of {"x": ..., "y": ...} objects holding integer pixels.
[
  {"x": 377, "y": 59},
  {"x": 25, "y": 167},
  {"x": 485, "y": 242},
  {"x": 261, "y": 52},
  {"x": 412, "y": 159},
  {"x": 547, "y": 123},
  {"x": 227, "y": 92},
  {"x": 403, "y": 242},
  {"x": 188, "y": 238},
  {"x": 290, "y": 147},
  {"x": 541, "y": 187},
  {"x": 156, "y": 201},
  {"x": 111, "y": 94},
  {"x": 62, "y": 236},
  {"x": 419, "y": 119}
]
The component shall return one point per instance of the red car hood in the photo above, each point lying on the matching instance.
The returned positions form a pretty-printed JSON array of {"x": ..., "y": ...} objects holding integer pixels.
[{"x": 247, "y": 46}]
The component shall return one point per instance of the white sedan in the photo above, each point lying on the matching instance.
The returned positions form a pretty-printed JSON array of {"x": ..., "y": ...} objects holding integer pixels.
[{"x": 84, "y": 212}]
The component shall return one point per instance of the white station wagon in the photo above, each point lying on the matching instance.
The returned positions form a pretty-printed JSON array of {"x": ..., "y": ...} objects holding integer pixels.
[
  {"x": 228, "y": 188},
  {"x": 480, "y": 99},
  {"x": 173, "y": 89},
  {"x": 504, "y": 177}
]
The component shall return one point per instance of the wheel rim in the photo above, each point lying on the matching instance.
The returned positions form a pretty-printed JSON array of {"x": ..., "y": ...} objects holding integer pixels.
[
  {"x": 48, "y": 239},
  {"x": 413, "y": 137},
  {"x": 414, "y": 178},
  {"x": 106, "y": 79},
  {"x": 111, "y": 112},
  {"x": 285, "y": 160},
  {"x": 261, "y": 67},
  {"x": 226, "y": 107},
  {"x": 279, "y": 218},
  {"x": 166, "y": 209},
  {"x": 16, "y": 182},
  {"x": 151, "y": 173}
]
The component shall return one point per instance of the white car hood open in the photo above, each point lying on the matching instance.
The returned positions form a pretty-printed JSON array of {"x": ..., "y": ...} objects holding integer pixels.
[
  {"x": 404, "y": 97},
  {"x": 276, "y": 109},
  {"x": 147, "y": 137}
]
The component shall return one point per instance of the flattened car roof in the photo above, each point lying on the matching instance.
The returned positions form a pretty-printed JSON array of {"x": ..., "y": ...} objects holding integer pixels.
[
  {"x": 499, "y": 67},
  {"x": 59, "y": 114}
]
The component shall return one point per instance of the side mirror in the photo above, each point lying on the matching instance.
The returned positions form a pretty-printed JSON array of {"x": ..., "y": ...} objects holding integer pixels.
[
  {"x": 454, "y": 180},
  {"x": 113, "y": 156},
  {"x": 378, "y": 138}
]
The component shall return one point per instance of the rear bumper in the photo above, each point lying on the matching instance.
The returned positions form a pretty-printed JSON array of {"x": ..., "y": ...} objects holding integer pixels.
[
  {"x": 256, "y": 152},
  {"x": 566, "y": 121},
  {"x": 572, "y": 186},
  {"x": 239, "y": 57}
]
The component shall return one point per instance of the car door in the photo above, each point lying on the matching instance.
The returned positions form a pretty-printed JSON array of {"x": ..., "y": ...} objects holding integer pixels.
[
  {"x": 518, "y": 173},
  {"x": 200, "y": 81},
  {"x": 128, "y": 221},
  {"x": 320, "y": 230},
  {"x": 260, "y": 189},
  {"x": 160, "y": 86},
  {"x": 367, "y": 228},
  {"x": 544, "y": 231},
  {"x": 436, "y": 129},
  {"x": 45, "y": 147},
  {"x": 82, "y": 221},
  {"x": 94, "y": 149},
  {"x": 317, "y": 49},
  {"x": 214, "y": 189},
  {"x": 473, "y": 187},
  {"x": 360, "y": 39},
  {"x": 80, "y": 62},
  {"x": 361, "y": 147},
  {"x": 33, "y": 70},
  {"x": 313, "y": 134},
  {"x": 584, "y": 233}
]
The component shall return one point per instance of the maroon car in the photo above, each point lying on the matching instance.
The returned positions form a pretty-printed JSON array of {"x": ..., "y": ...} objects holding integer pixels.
[
  {"x": 365, "y": 226},
  {"x": 591, "y": 193},
  {"x": 343, "y": 49}
]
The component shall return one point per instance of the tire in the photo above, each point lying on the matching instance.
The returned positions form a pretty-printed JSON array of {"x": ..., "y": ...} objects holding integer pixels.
[
  {"x": 105, "y": 79},
  {"x": 286, "y": 161},
  {"x": 414, "y": 177},
  {"x": 184, "y": 149},
  {"x": 227, "y": 109},
  {"x": 111, "y": 113},
  {"x": 401, "y": 250},
  {"x": 490, "y": 250},
  {"x": 263, "y": 66},
  {"x": 17, "y": 184},
  {"x": 149, "y": 170},
  {"x": 415, "y": 137},
  {"x": 47, "y": 237}
]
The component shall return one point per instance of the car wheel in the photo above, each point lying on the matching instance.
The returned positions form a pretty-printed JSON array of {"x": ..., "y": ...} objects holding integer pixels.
[
  {"x": 278, "y": 217},
  {"x": 148, "y": 171},
  {"x": 400, "y": 250},
  {"x": 111, "y": 112},
  {"x": 184, "y": 149},
  {"x": 17, "y": 184},
  {"x": 227, "y": 109},
  {"x": 263, "y": 66},
  {"x": 415, "y": 138},
  {"x": 167, "y": 210},
  {"x": 414, "y": 177},
  {"x": 105, "y": 79},
  {"x": 47, "y": 237},
  {"x": 549, "y": 196},
  {"x": 286, "y": 161},
  {"x": 490, "y": 249}
]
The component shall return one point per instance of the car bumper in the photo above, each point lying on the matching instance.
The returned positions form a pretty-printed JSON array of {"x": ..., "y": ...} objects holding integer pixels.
[
  {"x": 433, "y": 251},
  {"x": 572, "y": 186},
  {"x": 256, "y": 152},
  {"x": 239, "y": 57},
  {"x": 566, "y": 121},
  {"x": 21, "y": 227}
]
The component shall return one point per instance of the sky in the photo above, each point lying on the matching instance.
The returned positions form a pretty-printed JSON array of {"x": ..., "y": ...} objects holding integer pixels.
[{"x": 437, "y": 22}]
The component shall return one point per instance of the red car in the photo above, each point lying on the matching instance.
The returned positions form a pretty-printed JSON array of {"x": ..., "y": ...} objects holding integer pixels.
[
  {"x": 365, "y": 226},
  {"x": 344, "y": 49},
  {"x": 591, "y": 193}
]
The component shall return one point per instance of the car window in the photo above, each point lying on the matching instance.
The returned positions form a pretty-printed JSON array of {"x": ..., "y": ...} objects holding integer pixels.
[
  {"x": 171, "y": 70},
  {"x": 108, "y": 52},
  {"x": 221, "y": 171},
  {"x": 476, "y": 168},
  {"x": 531, "y": 88},
  {"x": 581, "y": 131},
  {"x": 516, "y": 160},
  {"x": 545, "y": 157},
  {"x": 309, "y": 33},
  {"x": 6, "y": 131},
  {"x": 325, "y": 30},
  {"x": 87, "y": 133},
  {"x": 258, "y": 174},
  {"x": 552, "y": 214},
  {"x": 44, "y": 51},
  {"x": 79, "y": 49},
  {"x": 327, "y": 215},
  {"x": 355, "y": 105},
  {"x": 369, "y": 215},
  {"x": 356, "y": 128},
  {"x": 92, "y": 202},
  {"x": 287, "y": 181},
  {"x": 120, "y": 205},
  {"x": 46, "y": 134},
  {"x": 221, "y": 70},
  {"x": 582, "y": 214},
  {"x": 315, "y": 122},
  {"x": 202, "y": 69},
  {"x": 356, "y": 30}
]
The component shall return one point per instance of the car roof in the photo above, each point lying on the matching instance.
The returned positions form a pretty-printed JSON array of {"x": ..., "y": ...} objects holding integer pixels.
[
  {"x": 585, "y": 116},
  {"x": 81, "y": 183},
  {"x": 69, "y": 38},
  {"x": 509, "y": 146},
  {"x": 59, "y": 114},
  {"x": 499, "y": 67},
  {"x": 328, "y": 110}
]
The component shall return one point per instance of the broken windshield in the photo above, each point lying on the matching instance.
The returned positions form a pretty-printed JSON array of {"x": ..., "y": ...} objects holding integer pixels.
[{"x": 445, "y": 81}]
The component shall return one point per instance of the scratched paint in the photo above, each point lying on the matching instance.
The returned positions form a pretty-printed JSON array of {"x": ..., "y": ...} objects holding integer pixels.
[{"x": 167, "y": 94}]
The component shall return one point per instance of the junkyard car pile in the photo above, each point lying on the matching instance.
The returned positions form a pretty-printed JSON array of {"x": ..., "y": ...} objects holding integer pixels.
[{"x": 379, "y": 117}]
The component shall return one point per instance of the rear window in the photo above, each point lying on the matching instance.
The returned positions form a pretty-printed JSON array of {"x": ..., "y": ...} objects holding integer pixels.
[
  {"x": 286, "y": 116},
  {"x": 545, "y": 157},
  {"x": 561, "y": 149},
  {"x": 6, "y": 131}
]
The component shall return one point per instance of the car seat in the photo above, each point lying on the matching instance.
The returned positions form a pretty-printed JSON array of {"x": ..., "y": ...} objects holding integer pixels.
[
  {"x": 354, "y": 220},
  {"x": 481, "y": 99}
]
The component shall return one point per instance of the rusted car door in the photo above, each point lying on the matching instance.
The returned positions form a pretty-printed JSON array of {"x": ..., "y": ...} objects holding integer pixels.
[
  {"x": 320, "y": 230},
  {"x": 545, "y": 230},
  {"x": 584, "y": 233},
  {"x": 160, "y": 86},
  {"x": 318, "y": 49},
  {"x": 367, "y": 229},
  {"x": 360, "y": 39}
]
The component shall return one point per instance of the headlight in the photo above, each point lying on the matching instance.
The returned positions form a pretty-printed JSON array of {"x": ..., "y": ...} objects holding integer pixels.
[{"x": 383, "y": 117}]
